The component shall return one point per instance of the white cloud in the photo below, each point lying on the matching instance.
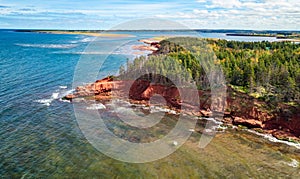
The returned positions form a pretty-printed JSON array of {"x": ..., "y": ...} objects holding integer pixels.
[
  {"x": 224, "y": 3},
  {"x": 249, "y": 14},
  {"x": 196, "y": 11}
]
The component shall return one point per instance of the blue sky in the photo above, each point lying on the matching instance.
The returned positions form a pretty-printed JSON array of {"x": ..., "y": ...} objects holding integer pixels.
[{"x": 201, "y": 14}]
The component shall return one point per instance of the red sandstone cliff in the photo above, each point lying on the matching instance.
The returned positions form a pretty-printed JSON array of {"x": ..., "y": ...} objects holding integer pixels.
[{"x": 240, "y": 109}]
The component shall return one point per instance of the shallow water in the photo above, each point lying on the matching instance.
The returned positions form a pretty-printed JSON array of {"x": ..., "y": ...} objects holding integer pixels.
[{"x": 40, "y": 137}]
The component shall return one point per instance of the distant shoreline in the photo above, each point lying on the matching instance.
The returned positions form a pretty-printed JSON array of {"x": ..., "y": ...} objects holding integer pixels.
[
  {"x": 79, "y": 32},
  {"x": 292, "y": 37},
  {"x": 232, "y": 31}
]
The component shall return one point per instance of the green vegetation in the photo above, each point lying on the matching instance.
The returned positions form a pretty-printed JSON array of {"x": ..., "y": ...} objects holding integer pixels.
[{"x": 269, "y": 71}]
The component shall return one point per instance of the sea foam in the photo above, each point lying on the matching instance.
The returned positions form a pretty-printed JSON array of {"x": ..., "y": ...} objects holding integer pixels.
[
  {"x": 57, "y": 46},
  {"x": 96, "y": 106},
  {"x": 274, "y": 139},
  {"x": 57, "y": 95}
]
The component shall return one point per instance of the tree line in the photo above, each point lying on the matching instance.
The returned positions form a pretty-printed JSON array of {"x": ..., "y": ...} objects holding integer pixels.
[{"x": 269, "y": 71}]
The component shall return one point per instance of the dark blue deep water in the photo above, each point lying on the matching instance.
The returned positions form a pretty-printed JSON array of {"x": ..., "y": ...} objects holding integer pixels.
[
  {"x": 31, "y": 71},
  {"x": 39, "y": 135}
]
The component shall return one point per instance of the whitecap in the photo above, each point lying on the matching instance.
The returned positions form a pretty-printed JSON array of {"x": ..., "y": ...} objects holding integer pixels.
[
  {"x": 89, "y": 53},
  {"x": 215, "y": 125},
  {"x": 214, "y": 121},
  {"x": 96, "y": 106},
  {"x": 88, "y": 39},
  {"x": 64, "y": 100},
  {"x": 45, "y": 102},
  {"x": 55, "y": 95},
  {"x": 58, "y": 46},
  {"x": 274, "y": 139},
  {"x": 64, "y": 92},
  {"x": 84, "y": 40},
  {"x": 154, "y": 109},
  {"x": 63, "y": 87},
  {"x": 92, "y": 53}
]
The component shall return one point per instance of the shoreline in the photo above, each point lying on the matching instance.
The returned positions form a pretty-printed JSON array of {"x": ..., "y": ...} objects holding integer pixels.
[
  {"x": 108, "y": 89},
  {"x": 87, "y": 33},
  {"x": 233, "y": 113},
  {"x": 220, "y": 127},
  {"x": 279, "y": 37}
]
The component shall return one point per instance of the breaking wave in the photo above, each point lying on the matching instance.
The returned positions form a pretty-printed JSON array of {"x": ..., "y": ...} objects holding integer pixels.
[
  {"x": 84, "y": 40},
  {"x": 96, "y": 106},
  {"x": 274, "y": 139},
  {"x": 57, "y": 95},
  {"x": 57, "y": 46}
]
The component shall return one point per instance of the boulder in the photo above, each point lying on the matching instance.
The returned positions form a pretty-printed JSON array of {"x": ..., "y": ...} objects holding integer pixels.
[{"x": 251, "y": 123}]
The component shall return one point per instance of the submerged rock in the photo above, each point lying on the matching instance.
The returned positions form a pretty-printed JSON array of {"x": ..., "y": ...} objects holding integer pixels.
[
  {"x": 69, "y": 97},
  {"x": 240, "y": 108}
]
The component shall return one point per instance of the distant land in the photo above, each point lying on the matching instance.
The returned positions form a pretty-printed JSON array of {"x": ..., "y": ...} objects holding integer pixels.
[
  {"x": 288, "y": 32},
  {"x": 280, "y": 34},
  {"x": 290, "y": 36}
]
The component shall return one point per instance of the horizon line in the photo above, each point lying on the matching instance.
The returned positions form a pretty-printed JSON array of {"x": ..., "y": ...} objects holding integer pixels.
[{"x": 194, "y": 29}]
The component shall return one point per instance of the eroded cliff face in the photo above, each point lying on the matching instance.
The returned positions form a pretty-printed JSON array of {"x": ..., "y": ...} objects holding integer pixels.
[
  {"x": 238, "y": 108},
  {"x": 283, "y": 123}
]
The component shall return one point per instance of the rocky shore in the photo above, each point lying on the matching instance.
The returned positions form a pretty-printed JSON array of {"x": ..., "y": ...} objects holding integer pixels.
[
  {"x": 150, "y": 45},
  {"x": 236, "y": 108},
  {"x": 240, "y": 109}
]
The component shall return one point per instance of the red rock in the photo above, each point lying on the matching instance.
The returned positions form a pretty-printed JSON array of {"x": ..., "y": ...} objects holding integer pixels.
[
  {"x": 245, "y": 109},
  {"x": 69, "y": 97},
  {"x": 251, "y": 123},
  {"x": 205, "y": 113}
]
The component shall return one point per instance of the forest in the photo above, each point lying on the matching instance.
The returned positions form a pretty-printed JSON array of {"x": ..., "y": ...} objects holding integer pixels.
[{"x": 269, "y": 71}]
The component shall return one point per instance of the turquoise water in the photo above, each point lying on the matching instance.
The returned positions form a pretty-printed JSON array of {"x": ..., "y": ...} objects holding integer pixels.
[{"x": 39, "y": 135}]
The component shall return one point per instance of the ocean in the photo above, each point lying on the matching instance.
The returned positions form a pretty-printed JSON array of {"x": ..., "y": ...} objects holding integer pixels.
[{"x": 40, "y": 137}]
